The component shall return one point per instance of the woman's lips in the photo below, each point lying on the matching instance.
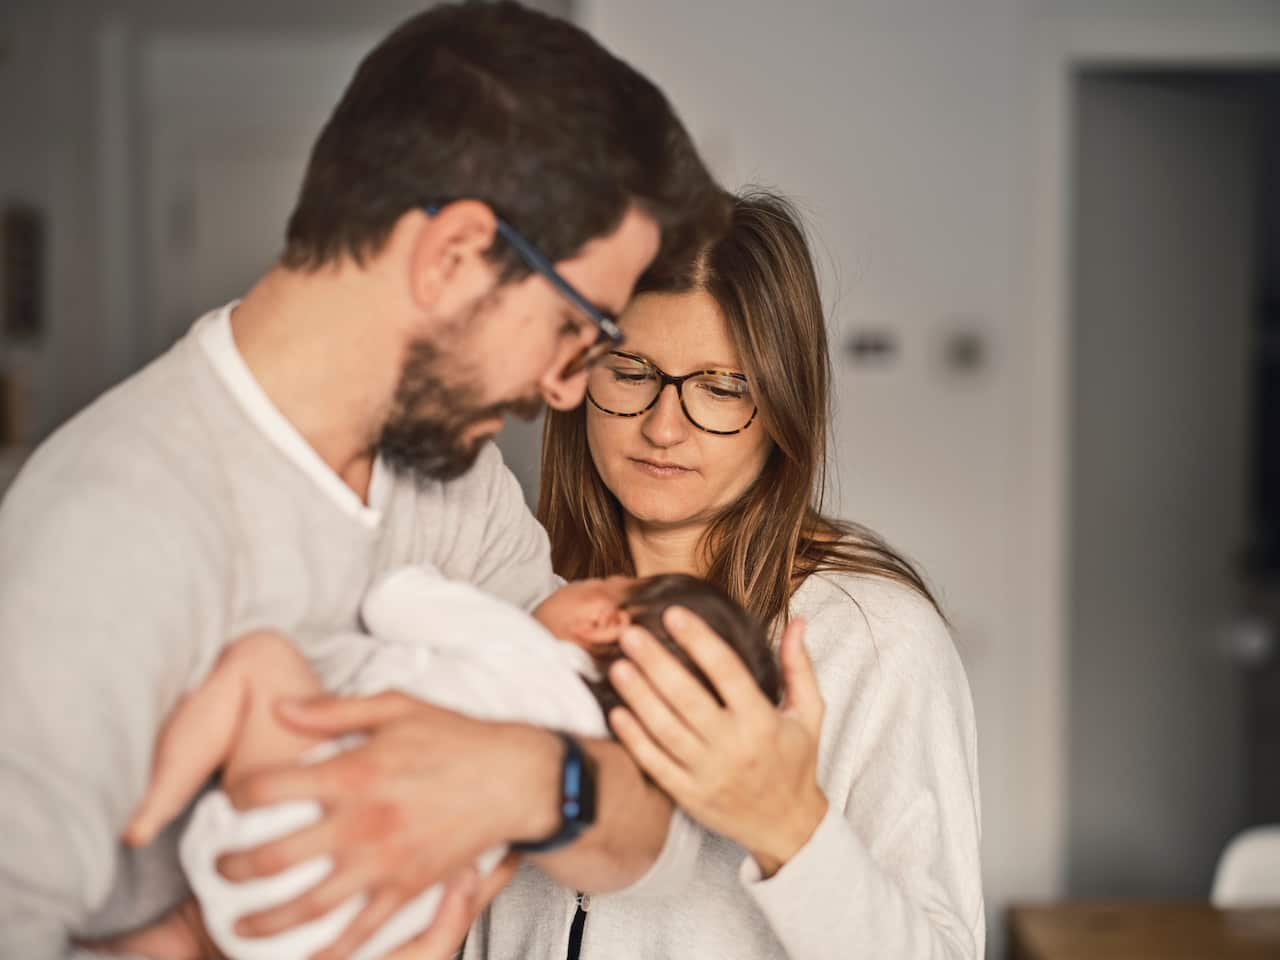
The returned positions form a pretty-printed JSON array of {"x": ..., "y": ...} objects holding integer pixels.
[{"x": 660, "y": 469}]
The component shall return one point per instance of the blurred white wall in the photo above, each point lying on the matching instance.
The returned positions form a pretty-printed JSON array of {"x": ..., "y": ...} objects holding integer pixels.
[{"x": 118, "y": 119}]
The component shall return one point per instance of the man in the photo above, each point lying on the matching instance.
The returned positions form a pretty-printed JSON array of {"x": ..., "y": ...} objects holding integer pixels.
[{"x": 477, "y": 208}]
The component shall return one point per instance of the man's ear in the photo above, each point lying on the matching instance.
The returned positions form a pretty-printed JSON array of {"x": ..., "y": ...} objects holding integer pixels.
[{"x": 448, "y": 264}]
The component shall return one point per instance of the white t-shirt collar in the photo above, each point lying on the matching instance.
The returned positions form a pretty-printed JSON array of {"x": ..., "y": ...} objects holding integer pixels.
[{"x": 213, "y": 333}]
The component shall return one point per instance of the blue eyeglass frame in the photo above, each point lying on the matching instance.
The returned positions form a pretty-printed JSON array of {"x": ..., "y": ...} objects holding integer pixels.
[{"x": 610, "y": 335}]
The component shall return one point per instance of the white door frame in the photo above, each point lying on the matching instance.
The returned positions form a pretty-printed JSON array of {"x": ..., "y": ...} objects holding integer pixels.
[{"x": 1237, "y": 35}]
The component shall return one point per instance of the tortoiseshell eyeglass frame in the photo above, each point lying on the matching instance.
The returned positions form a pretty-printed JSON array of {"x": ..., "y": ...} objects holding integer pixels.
[{"x": 664, "y": 379}]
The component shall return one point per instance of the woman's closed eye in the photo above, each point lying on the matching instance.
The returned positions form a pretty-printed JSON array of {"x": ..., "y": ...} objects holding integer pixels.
[
  {"x": 631, "y": 373},
  {"x": 724, "y": 388},
  {"x": 628, "y": 377}
]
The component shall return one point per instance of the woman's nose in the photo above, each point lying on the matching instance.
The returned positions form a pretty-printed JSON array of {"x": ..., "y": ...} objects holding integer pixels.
[{"x": 665, "y": 424}]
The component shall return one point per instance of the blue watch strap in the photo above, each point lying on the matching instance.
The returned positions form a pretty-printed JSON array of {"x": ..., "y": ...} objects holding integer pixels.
[{"x": 577, "y": 799}]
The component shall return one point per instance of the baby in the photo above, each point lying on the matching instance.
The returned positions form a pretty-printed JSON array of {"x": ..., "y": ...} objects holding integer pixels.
[{"x": 441, "y": 641}]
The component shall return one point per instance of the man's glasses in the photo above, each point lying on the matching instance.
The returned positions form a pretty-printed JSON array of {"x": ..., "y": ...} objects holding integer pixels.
[
  {"x": 714, "y": 401},
  {"x": 609, "y": 336}
]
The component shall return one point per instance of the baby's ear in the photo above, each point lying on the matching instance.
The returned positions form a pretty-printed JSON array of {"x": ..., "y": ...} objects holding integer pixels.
[{"x": 608, "y": 627}]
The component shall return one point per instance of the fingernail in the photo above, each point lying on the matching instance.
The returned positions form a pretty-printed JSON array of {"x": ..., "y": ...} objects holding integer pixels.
[{"x": 676, "y": 617}]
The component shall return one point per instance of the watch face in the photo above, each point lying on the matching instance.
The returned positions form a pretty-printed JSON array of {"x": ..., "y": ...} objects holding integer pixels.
[
  {"x": 578, "y": 787},
  {"x": 586, "y": 789}
]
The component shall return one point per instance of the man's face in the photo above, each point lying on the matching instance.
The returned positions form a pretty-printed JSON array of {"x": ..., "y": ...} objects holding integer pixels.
[
  {"x": 438, "y": 424},
  {"x": 505, "y": 355}
]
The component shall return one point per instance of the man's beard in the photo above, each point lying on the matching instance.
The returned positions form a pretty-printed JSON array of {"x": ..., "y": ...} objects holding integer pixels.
[{"x": 423, "y": 437}]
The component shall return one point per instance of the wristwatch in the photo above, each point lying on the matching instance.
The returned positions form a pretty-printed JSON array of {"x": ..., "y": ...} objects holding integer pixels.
[{"x": 577, "y": 799}]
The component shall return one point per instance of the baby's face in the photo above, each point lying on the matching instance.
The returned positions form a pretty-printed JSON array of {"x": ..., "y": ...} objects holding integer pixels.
[{"x": 587, "y": 612}]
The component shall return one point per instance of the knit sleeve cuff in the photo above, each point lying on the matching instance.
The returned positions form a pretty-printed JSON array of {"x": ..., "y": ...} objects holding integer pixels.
[{"x": 832, "y": 862}]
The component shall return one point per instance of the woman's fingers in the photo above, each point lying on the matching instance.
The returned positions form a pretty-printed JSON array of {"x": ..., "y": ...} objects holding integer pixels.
[
  {"x": 688, "y": 699},
  {"x": 651, "y": 758},
  {"x": 661, "y": 723},
  {"x": 715, "y": 658},
  {"x": 804, "y": 698}
]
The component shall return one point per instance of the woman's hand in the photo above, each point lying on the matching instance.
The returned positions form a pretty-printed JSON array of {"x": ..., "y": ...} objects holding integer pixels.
[{"x": 746, "y": 770}]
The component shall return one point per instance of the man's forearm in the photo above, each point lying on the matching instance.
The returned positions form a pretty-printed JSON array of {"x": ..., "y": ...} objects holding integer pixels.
[{"x": 632, "y": 818}]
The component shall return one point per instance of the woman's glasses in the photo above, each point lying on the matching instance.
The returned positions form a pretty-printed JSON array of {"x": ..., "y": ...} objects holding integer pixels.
[{"x": 715, "y": 401}]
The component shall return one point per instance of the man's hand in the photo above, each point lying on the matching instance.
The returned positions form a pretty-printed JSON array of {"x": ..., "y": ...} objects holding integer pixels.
[
  {"x": 178, "y": 935},
  {"x": 465, "y": 896},
  {"x": 425, "y": 795},
  {"x": 181, "y": 934}
]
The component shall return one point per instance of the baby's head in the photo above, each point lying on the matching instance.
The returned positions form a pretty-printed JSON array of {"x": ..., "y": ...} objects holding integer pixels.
[{"x": 593, "y": 613}]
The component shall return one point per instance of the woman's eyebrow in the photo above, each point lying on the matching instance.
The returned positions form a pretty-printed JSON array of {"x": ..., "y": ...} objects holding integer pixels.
[
  {"x": 719, "y": 368},
  {"x": 725, "y": 367}
]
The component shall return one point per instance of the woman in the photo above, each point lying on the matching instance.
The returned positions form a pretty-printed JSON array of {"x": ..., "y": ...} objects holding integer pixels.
[{"x": 701, "y": 449}]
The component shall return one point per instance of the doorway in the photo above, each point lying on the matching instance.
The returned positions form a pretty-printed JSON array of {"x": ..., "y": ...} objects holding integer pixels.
[{"x": 1174, "y": 242}]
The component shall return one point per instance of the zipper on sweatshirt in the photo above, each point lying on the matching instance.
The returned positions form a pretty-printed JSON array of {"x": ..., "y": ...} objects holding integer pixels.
[{"x": 583, "y": 901}]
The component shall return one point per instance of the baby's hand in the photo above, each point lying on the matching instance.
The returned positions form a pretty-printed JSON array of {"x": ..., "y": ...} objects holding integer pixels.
[
  {"x": 178, "y": 770},
  {"x": 152, "y": 815}
]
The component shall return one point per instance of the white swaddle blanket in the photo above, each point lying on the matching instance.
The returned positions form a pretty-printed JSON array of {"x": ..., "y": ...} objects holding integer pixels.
[{"x": 444, "y": 642}]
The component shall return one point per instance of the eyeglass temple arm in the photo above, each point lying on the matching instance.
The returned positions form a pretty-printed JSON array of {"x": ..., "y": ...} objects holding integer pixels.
[{"x": 534, "y": 257}]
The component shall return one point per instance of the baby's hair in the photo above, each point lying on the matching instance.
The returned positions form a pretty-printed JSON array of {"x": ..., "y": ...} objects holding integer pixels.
[{"x": 649, "y": 600}]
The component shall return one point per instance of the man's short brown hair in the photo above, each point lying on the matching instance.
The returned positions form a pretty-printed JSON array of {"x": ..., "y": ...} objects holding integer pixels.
[{"x": 520, "y": 110}]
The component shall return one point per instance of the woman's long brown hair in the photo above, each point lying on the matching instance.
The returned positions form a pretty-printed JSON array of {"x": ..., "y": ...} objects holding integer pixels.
[{"x": 763, "y": 546}]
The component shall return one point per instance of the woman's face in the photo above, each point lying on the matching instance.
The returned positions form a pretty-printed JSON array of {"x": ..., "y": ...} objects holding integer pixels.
[{"x": 665, "y": 471}]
